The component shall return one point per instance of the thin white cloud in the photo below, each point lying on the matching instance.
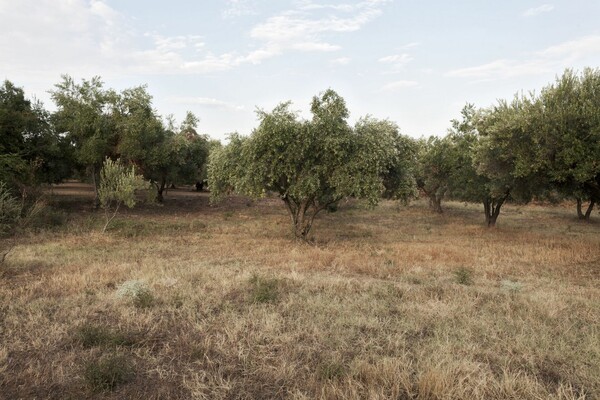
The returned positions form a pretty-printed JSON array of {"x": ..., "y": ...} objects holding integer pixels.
[
  {"x": 409, "y": 46},
  {"x": 345, "y": 7},
  {"x": 501, "y": 69},
  {"x": 532, "y": 12},
  {"x": 573, "y": 50},
  {"x": 551, "y": 59},
  {"x": 301, "y": 30},
  {"x": 88, "y": 37},
  {"x": 206, "y": 102},
  {"x": 239, "y": 8},
  {"x": 397, "y": 60},
  {"x": 399, "y": 85},
  {"x": 341, "y": 61},
  {"x": 175, "y": 43}
]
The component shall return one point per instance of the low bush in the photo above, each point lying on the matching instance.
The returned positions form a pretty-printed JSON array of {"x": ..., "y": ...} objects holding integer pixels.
[
  {"x": 464, "y": 276},
  {"x": 264, "y": 290},
  {"x": 108, "y": 372},
  {"x": 138, "y": 292},
  {"x": 100, "y": 336}
]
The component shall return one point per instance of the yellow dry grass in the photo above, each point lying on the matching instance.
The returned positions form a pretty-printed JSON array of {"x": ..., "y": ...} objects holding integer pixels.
[{"x": 372, "y": 309}]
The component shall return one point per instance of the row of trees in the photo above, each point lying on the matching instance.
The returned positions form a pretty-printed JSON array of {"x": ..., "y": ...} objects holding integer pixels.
[
  {"x": 544, "y": 146},
  {"x": 91, "y": 124}
]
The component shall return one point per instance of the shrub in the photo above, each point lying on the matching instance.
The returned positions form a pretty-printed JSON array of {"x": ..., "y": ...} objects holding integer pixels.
[
  {"x": 93, "y": 336},
  {"x": 264, "y": 290},
  {"x": 107, "y": 372},
  {"x": 138, "y": 292},
  {"x": 118, "y": 185},
  {"x": 464, "y": 276},
  {"x": 511, "y": 286},
  {"x": 330, "y": 370},
  {"x": 15, "y": 216},
  {"x": 10, "y": 211}
]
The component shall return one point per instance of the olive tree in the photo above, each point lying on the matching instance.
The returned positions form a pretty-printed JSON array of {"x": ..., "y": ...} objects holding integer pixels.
[
  {"x": 86, "y": 116},
  {"x": 310, "y": 164},
  {"x": 504, "y": 154},
  {"x": 569, "y": 135},
  {"x": 434, "y": 167},
  {"x": 490, "y": 152},
  {"x": 178, "y": 157},
  {"x": 31, "y": 151},
  {"x": 400, "y": 178}
]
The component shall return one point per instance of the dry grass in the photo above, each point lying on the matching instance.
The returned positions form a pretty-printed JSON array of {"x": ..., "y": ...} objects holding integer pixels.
[{"x": 373, "y": 309}]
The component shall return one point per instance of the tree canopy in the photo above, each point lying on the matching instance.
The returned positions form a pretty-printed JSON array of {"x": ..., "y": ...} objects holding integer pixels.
[
  {"x": 544, "y": 146},
  {"x": 310, "y": 164},
  {"x": 568, "y": 134},
  {"x": 104, "y": 123},
  {"x": 31, "y": 151}
]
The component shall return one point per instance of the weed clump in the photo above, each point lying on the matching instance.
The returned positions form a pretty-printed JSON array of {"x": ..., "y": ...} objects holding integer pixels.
[
  {"x": 330, "y": 370},
  {"x": 264, "y": 290},
  {"x": 138, "y": 292},
  {"x": 100, "y": 336},
  {"x": 108, "y": 372},
  {"x": 464, "y": 276},
  {"x": 511, "y": 286}
]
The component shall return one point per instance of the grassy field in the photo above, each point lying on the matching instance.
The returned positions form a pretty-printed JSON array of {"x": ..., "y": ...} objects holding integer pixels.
[{"x": 188, "y": 301}]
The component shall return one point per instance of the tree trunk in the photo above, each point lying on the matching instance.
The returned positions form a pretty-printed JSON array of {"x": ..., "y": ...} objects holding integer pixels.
[
  {"x": 588, "y": 213},
  {"x": 96, "y": 182},
  {"x": 491, "y": 208},
  {"x": 301, "y": 228},
  {"x": 589, "y": 210},
  {"x": 435, "y": 201},
  {"x": 302, "y": 213},
  {"x": 303, "y": 221},
  {"x": 579, "y": 213},
  {"x": 159, "y": 191}
]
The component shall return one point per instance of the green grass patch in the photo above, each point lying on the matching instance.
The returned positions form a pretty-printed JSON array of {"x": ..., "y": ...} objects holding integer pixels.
[
  {"x": 101, "y": 336},
  {"x": 464, "y": 276},
  {"x": 330, "y": 370},
  {"x": 264, "y": 290},
  {"x": 108, "y": 372}
]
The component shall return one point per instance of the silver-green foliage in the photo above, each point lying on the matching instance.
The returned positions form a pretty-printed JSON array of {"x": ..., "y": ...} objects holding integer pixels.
[
  {"x": 136, "y": 291},
  {"x": 310, "y": 164},
  {"x": 118, "y": 184}
]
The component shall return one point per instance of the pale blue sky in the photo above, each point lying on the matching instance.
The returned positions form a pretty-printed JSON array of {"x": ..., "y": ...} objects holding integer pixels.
[{"x": 414, "y": 62}]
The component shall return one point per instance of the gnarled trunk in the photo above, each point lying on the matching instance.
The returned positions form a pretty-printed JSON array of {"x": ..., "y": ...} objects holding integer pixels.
[
  {"x": 491, "y": 208},
  {"x": 579, "y": 213},
  {"x": 302, "y": 214},
  {"x": 160, "y": 188},
  {"x": 589, "y": 210},
  {"x": 588, "y": 213},
  {"x": 435, "y": 202},
  {"x": 435, "y": 198}
]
